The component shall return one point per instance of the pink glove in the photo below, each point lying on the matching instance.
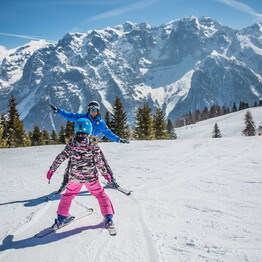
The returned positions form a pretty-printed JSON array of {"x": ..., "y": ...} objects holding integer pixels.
[
  {"x": 108, "y": 177},
  {"x": 49, "y": 174}
]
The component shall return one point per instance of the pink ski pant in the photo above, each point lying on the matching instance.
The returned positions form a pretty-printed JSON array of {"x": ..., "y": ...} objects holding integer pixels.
[{"x": 94, "y": 188}]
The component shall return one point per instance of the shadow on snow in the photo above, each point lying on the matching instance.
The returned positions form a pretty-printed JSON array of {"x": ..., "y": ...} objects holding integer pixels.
[
  {"x": 53, "y": 237},
  {"x": 40, "y": 200}
]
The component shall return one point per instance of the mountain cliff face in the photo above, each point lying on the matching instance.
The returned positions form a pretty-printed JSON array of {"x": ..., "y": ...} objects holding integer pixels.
[{"x": 181, "y": 66}]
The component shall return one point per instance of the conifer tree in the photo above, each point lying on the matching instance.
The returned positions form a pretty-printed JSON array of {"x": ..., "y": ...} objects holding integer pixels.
[
  {"x": 118, "y": 122},
  {"x": 16, "y": 134},
  {"x": 108, "y": 119},
  {"x": 234, "y": 108},
  {"x": 54, "y": 138},
  {"x": 250, "y": 128},
  {"x": 170, "y": 130},
  {"x": 36, "y": 137},
  {"x": 160, "y": 125},
  {"x": 3, "y": 141},
  {"x": 216, "y": 132},
  {"x": 69, "y": 129},
  {"x": 108, "y": 123},
  {"x": 3, "y": 123},
  {"x": 204, "y": 114},
  {"x": 61, "y": 135},
  {"x": 139, "y": 129},
  {"x": 144, "y": 129},
  {"x": 46, "y": 137},
  {"x": 197, "y": 115},
  {"x": 223, "y": 110}
]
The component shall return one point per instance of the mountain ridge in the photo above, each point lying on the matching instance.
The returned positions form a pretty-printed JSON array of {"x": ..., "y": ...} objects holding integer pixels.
[{"x": 181, "y": 66}]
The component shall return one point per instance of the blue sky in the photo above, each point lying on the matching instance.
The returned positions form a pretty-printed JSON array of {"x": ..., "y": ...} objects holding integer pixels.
[{"x": 25, "y": 20}]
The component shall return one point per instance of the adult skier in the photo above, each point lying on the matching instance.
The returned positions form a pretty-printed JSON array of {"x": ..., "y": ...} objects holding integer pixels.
[
  {"x": 84, "y": 159},
  {"x": 93, "y": 114},
  {"x": 98, "y": 126}
]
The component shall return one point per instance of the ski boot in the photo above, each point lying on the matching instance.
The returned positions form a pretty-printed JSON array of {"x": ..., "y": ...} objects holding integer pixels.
[
  {"x": 109, "y": 220},
  {"x": 110, "y": 225},
  {"x": 61, "y": 220}
]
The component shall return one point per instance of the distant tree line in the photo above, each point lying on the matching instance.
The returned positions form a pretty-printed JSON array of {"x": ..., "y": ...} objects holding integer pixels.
[
  {"x": 214, "y": 111},
  {"x": 249, "y": 129},
  {"x": 148, "y": 126}
]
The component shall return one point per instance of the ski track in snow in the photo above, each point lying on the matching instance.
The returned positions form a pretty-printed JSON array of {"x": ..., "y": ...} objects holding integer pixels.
[{"x": 194, "y": 199}]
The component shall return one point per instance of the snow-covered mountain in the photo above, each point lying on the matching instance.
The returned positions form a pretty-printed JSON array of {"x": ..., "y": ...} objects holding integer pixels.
[
  {"x": 181, "y": 66},
  {"x": 194, "y": 199}
]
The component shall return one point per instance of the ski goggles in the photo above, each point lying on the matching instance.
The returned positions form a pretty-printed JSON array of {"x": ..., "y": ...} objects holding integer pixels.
[
  {"x": 93, "y": 105},
  {"x": 93, "y": 109}
]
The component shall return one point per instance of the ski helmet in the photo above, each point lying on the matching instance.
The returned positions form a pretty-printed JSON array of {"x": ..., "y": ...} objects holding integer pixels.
[
  {"x": 94, "y": 105},
  {"x": 83, "y": 125}
]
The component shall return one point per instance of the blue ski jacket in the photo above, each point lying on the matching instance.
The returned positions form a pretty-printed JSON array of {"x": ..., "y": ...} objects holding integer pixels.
[{"x": 99, "y": 126}]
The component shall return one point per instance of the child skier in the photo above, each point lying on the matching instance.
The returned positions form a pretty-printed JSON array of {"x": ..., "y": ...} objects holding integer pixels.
[{"x": 85, "y": 157}]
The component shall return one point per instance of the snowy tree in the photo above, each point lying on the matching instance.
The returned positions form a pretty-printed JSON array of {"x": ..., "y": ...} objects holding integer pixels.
[
  {"x": 16, "y": 134},
  {"x": 160, "y": 127},
  {"x": 170, "y": 130},
  {"x": 118, "y": 122},
  {"x": 144, "y": 129},
  {"x": 250, "y": 128},
  {"x": 216, "y": 132}
]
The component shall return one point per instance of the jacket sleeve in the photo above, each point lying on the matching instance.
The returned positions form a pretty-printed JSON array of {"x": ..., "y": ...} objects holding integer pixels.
[
  {"x": 70, "y": 116},
  {"x": 60, "y": 159},
  {"x": 99, "y": 162},
  {"x": 108, "y": 133}
]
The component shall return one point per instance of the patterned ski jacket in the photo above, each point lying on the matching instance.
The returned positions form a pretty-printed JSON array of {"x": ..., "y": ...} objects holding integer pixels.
[
  {"x": 85, "y": 157},
  {"x": 99, "y": 126}
]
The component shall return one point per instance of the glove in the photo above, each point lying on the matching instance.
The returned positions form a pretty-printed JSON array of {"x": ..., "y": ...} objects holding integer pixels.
[
  {"x": 62, "y": 188},
  {"x": 54, "y": 108},
  {"x": 124, "y": 141},
  {"x": 49, "y": 174},
  {"x": 114, "y": 183},
  {"x": 108, "y": 177}
]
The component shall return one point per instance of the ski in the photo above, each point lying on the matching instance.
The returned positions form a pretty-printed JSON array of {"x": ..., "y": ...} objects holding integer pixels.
[
  {"x": 123, "y": 190},
  {"x": 49, "y": 230},
  {"x": 111, "y": 229}
]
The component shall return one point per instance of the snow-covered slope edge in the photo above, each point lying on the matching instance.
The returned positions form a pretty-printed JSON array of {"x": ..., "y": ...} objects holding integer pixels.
[{"x": 230, "y": 125}]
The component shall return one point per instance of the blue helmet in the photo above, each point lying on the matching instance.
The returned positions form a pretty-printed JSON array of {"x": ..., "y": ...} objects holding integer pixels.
[{"x": 83, "y": 125}]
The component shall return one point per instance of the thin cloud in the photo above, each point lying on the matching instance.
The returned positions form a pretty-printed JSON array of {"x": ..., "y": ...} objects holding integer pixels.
[
  {"x": 26, "y": 37},
  {"x": 122, "y": 10},
  {"x": 241, "y": 7},
  {"x": 87, "y": 3}
]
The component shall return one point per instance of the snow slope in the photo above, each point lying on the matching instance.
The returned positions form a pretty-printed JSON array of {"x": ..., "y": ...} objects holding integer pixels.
[{"x": 194, "y": 199}]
